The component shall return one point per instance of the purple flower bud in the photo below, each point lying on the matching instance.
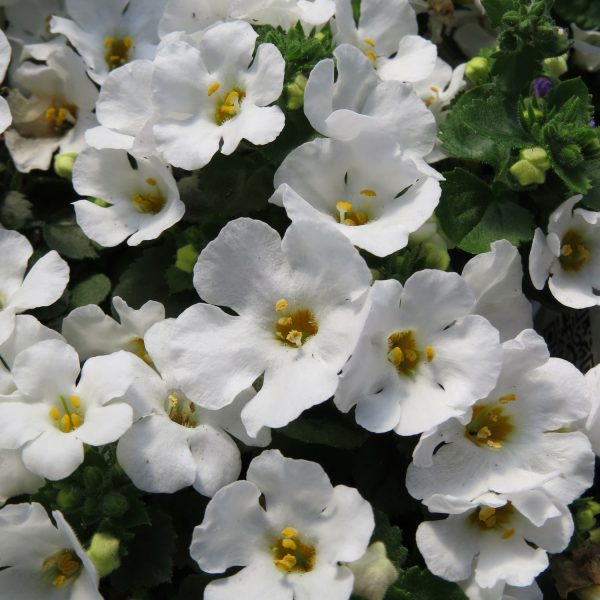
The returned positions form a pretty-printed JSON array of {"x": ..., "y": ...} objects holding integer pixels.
[
  {"x": 592, "y": 123},
  {"x": 541, "y": 87}
]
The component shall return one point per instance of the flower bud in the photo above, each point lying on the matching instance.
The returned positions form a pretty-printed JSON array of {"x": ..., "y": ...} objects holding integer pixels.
[
  {"x": 477, "y": 70},
  {"x": 114, "y": 504},
  {"x": 104, "y": 553},
  {"x": 68, "y": 498},
  {"x": 436, "y": 256},
  {"x": 557, "y": 65},
  {"x": 374, "y": 573},
  {"x": 186, "y": 258},
  {"x": 532, "y": 166},
  {"x": 295, "y": 92},
  {"x": 63, "y": 164},
  {"x": 92, "y": 478}
]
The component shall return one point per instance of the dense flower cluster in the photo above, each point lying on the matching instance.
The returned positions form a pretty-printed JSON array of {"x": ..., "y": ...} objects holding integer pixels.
[{"x": 353, "y": 305}]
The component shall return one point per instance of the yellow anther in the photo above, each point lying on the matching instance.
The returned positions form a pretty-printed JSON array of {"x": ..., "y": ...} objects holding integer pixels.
[
  {"x": 287, "y": 563},
  {"x": 411, "y": 355},
  {"x": 289, "y": 532},
  {"x": 369, "y": 42},
  {"x": 128, "y": 43},
  {"x": 51, "y": 114},
  {"x": 396, "y": 356},
  {"x": 151, "y": 181},
  {"x": 62, "y": 116},
  {"x": 487, "y": 514},
  {"x": 232, "y": 98},
  {"x": 430, "y": 101},
  {"x": 434, "y": 89},
  {"x": 429, "y": 353},
  {"x": 213, "y": 87},
  {"x": 54, "y": 413},
  {"x": 368, "y": 192},
  {"x": 350, "y": 222},
  {"x": 371, "y": 55},
  {"x": 74, "y": 400},
  {"x": 344, "y": 206},
  {"x": 108, "y": 42},
  {"x": 285, "y": 321},
  {"x": 229, "y": 109},
  {"x": 360, "y": 218},
  {"x": 281, "y": 304},
  {"x": 484, "y": 433},
  {"x": 493, "y": 444},
  {"x": 68, "y": 564},
  {"x": 75, "y": 420},
  {"x": 59, "y": 581},
  {"x": 65, "y": 424},
  {"x": 566, "y": 250},
  {"x": 289, "y": 544},
  {"x": 508, "y": 398},
  {"x": 294, "y": 337},
  {"x": 508, "y": 534}
]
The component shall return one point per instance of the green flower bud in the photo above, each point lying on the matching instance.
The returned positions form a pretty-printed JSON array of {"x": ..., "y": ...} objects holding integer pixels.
[
  {"x": 508, "y": 41},
  {"x": 538, "y": 9},
  {"x": 374, "y": 573},
  {"x": 68, "y": 498},
  {"x": 557, "y": 65},
  {"x": 532, "y": 166},
  {"x": 92, "y": 478},
  {"x": 511, "y": 18},
  {"x": 295, "y": 92},
  {"x": 186, "y": 258},
  {"x": 477, "y": 70},
  {"x": 114, "y": 504},
  {"x": 536, "y": 156},
  {"x": 63, "y": 164},
  {"x": 594, "y": 535},
  {"x": 104, "y": 553},
  {"x": 584, "y": 520}
]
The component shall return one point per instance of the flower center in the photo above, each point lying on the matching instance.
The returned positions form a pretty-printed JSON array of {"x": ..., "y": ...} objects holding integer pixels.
[
  {"x": 294, "y": 328},
  {"x": 403, "y": 352},
  {"x": 67, "y": 415},
  {"x": 181, "y": 411},
  {"x": 488, "y": 518},
  {"x": 229, "y": 105},
  {"x": 138, "y": 348},
  {"x": 150, "y": 200},
  {"x": 369, "y": 49},
  {"x": 62, "y": 568},
  {"x": 291, "y": 555},
  {"x": 61, "y": 118},
  {"x": 117, "y": 51},
  {"x": 351, "y": 214},
  {"x": 489, "y": 426},
  {"x": 573, "y": 253}
]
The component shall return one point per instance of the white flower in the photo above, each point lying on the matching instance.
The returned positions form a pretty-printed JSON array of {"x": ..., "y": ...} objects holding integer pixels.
[
  {"x": 414, "y": 61},
  {"x": 55, "y": 115},
  {"x": 359, "y": 101},
  {"x": 15, "y": 477},
  {"x": 592, "y": 380},
  {"x": 191, "y": 16},
  {"x": 174, "y": 443},
  {"x": 299, "y": 308},
  {"x": 364, "y": 188},
  {"x": 44, "y": 560},
  {"x": 569, "y": 255},
  {"x": 92, "y": 333},
  {"x": 43, "y": 285},
  {"x": 143, "y": 201},
  {"x": 501, "y": 591},
  {"x": 5, "y": 54},
  {"x": 421, "y": 358},
  {"x": 125, "y": 112},
  {"x": 284, "y": 13},
  {"x": 491, "y": 538},
  {"x": 586, "y": 48},
  {"x": 111, "y": 33},
  {"x": 496, "y": 278},
  {"x": 225, "y": 101},
  {"x": 293, "y": 544},
  {"x": 54, "y": 412},
  {"x": 517, "y": 437}
]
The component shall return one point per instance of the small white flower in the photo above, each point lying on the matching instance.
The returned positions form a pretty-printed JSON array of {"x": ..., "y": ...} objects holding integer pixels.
[
  {"x": 44, "y": 560},
  {"x": 293, "y": 544},
  {"x": 359, "y": 101},
  {"x": 43, "y": 285},
  {"x": 586, "y": 48},
  {"x": 284, "y": 13},
  {"x": 174, "y": 443},
  {"x": 421, "y": 358},
  {"x": 299, "y": 304},
  {"x": 569, "y": 256},
  {"x": 592, "y": 380},
  {"x": 15, "y": 477},
  {"x": 93, "y": 333},
  {"x": 56, "y": 112},
  {"x": 227, "y": 99},
  {"x": 364, "y": 188},
  {"x": 517, "y": 437},
  {"x": 54, "y": 412},
  {"x": 500, "y": 591},
  {"x": 111, "y": 33},
  {"x": 144, "y": 201},
  {"x": 5, "y": 54},
  {"x": 491, "y": 538},
  {"x": 191, "y": 16}
]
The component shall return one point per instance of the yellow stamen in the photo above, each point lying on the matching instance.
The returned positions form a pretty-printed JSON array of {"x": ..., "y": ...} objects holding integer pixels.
[
  {"x": 281, "y": 304},
  {"x": 294, "y": 337},
  {"x": 566, "y": 250},
  {"x": 153, "y": 202},
  {"x": 289, "y": 544},
  {"x": 429, "y": 353},
  {"x": 484, "y": 433},
  {"x": 232, "y": 98},
  {"x": 369, "y": 42},
  {"x": 508, "y": 534},
  {"x": 74, "y": 400},
  {"x": 360, "y": 218},
  {"x": 54, "y": 413},
  {"x": 487, "y": 514},
  {"x": 508, "y": 398},
  {"x": 368, "y": 192},
  {"x": 151, "y": 181},
  {"x": 65, "y": 424},
  {"x": 75, "y": 420},
  {"x": 343, "y": 208},
  {"x": 411, "y": 355},
  {"x": 213, "y": 87},
  {"x": 287, "y": 563},
  {"x": 128, "y": 43},
  {"x": 51, "y": 114},
  {"x": 371, "y": 55},
  {"x": 108, "y": 42},
  {"x": 493, "y": 444},
  {"x": 59, "y": 581},
  {"x": 285, "y": 321},
  {"x": 396, "y": 356},
  {"x": 289, "y": 532},
  {"x": 435, "y": 89}
]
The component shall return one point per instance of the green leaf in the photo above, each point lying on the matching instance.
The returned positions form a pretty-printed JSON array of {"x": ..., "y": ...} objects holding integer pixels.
[
  {"x": 67, "y": 238},
  {"x": 420, "y": 584},
  {"x": 15, "y": 210},
  {"x": 391, "y": 536},
  {"x": 328, "y": 432},
  {"x": 178, "y": 280},
  {"x": 92, "y": 290},
  {"x": 495, "y": 9},
  {"x": 564, "y": 92},
  {"x": 473, "y": 215},
  {"x": 592, "y": 199},
  {"x": 584, "y": 13}
]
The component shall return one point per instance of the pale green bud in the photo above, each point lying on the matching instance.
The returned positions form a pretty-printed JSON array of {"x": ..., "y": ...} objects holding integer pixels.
[
  {"x": 477, "y": 70},
  {"x": 374, "y": 573},
  {"x": 104, "y": 553},
  {"x": 63, "y": 164},
  {"x": 536, "y": 156},
  {"x": 556, "y": 65},
  {"x": 295, "y": 92},
  {"x": 186, "y": 258},
  {"x": 436, "y": 256},
  {"x": 532, "y": 166}
]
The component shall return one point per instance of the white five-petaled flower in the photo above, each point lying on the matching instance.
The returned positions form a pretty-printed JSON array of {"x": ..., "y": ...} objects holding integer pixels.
[
  {"x": 291, "y": 546},
  {"x": 42, "y": 286},
  {"x": 5, "y": 54},
  {"x": 586, "y": 51},
  {"x": 190, "y": 16},
  {"x": 226, "y": 100},
  {"x": 111, "y": 33},
  {"x": 144, "y": 201},
  {"x": 43, "y": 559},
  {"x": 173, "y": 443},
  {"x": 569, "y": 256},
  {"x": 364, "y": 188},
  {"x": 54, "y": 412},
  {"x": 421, "y": 358},
  {"x": 299, "y": 304},
  {"x": 518, "y": 436}
]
